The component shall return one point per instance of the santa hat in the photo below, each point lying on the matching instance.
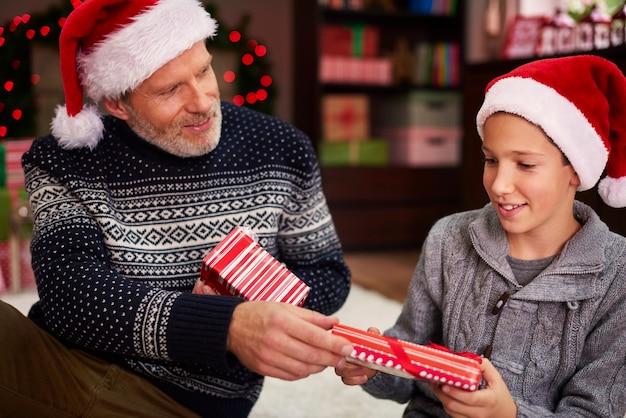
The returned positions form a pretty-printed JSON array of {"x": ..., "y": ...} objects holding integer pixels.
[
  {"x": 580, "y": 103},
  {"x": 109, "y": 47}
]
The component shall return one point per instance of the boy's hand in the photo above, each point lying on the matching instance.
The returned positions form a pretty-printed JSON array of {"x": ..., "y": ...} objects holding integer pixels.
[
  {"x": 353, "y": 374},
  {"x": 493, "y": 401}
]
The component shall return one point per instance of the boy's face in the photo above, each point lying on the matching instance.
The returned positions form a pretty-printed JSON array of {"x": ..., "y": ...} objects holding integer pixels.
[{"x": 530, "y": 186}]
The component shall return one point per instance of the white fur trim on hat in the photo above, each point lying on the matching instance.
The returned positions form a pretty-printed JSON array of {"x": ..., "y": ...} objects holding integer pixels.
[
  {"x": 613, "y": 191},
  {"x": 559, "y": 118},
  {"x": 134, "y": 52},
  {"x": 82, "y": 130}
]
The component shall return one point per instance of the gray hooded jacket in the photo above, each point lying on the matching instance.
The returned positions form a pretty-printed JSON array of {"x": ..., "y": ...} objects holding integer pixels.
[{"x": 559, "y": 342}]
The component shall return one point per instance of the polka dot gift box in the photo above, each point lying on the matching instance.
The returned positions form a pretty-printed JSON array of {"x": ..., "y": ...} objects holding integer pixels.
[
  {"x": 238, "y": 266},
  {"x": 424, "y": 362}
]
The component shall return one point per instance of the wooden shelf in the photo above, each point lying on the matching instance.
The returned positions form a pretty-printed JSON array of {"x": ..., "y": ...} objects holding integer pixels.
[
  {"x": 374, "y": 208},
  {"x": 389, "y": 208}
]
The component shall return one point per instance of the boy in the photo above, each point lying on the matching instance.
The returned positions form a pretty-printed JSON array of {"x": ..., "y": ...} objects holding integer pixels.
[{"x": 534, "y": 280}]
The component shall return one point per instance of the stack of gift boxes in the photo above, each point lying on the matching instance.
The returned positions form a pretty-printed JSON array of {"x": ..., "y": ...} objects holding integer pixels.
[
  {"x": 351, "y": 54},
  {"x": 423, "y": 128},
  {"x": 15, "y": 220},
  {"x": 346, "y": 133}
]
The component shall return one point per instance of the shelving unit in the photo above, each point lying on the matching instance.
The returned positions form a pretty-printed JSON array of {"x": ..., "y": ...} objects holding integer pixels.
[{"x": 384, "y": 207}]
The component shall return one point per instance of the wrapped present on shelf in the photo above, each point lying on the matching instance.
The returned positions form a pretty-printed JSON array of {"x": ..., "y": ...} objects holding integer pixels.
[
  {"x": 350, "y": 40},
  {"x": 238, "y": 266},
  {"x": 356, "y": 70},
  {"x": 16, "y": 223},
  {"x": 365, "y": 40},
  {"x": 23, "y": 218},
  {"x": 345, "y": 117},
  {"x": 432, "y": 362},
  {"x": 370, "y": 152},
  {"x": 419, "y": 108},
  {"x": 6, "y": 240},
  {"x": 424, "y": 146},
  {"x": 15, "y": 148},
  {"x": 336, "y": 40}
]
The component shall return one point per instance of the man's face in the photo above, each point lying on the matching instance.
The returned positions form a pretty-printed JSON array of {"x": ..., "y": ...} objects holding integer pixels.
[{"x": 178, "y": 107}]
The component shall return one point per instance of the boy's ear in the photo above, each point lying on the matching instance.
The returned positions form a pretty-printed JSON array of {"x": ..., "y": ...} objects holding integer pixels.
[
  {"x": 575, "y": 180},
  {"x": 116, "y": 107}
]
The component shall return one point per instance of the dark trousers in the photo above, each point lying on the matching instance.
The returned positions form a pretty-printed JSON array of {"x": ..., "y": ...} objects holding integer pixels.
[{"x": 40, "y": 377}]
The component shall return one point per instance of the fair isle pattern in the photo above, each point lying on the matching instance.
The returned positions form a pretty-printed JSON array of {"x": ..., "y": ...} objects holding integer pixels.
[
  {"x": 149, "y": 334},
  {"x": 201, "y": 381},
  {"x": 121, "y": 231},
  {"x": 136, "y": 238}
]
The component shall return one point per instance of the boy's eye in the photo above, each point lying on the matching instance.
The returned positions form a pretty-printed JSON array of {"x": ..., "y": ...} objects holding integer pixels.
[
  {"x": 489, "y": 161},
  {"x": 527, "y": 165}
]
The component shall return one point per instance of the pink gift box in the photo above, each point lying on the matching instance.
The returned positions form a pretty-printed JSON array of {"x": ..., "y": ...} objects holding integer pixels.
[
  {"x": 238, "y": 266},
  {"x": 433, "y": 363},
  {"x": 424, "y": 146}
]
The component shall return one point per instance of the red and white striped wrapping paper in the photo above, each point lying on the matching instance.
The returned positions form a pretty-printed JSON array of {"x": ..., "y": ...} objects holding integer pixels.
[
  {"x": 238, "y": 266},
  {"x": 432, "y": 362}
]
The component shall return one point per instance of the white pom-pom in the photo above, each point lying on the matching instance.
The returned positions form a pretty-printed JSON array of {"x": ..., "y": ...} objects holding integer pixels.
[
  {"x": 613, "y": 191},
  {"x": 83, "y": 130}
]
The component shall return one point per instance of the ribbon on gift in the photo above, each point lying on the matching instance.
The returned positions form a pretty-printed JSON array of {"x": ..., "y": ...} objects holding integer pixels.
[
  {"x": 432, "y": 363},
  {"x": 408, "y": 365}
]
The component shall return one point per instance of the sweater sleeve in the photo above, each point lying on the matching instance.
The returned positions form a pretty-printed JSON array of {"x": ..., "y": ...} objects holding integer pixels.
[
  {"x": 307, "y": 241},
  {"x": 87, "y": 304},
  {"x": 419, "y": 322}
]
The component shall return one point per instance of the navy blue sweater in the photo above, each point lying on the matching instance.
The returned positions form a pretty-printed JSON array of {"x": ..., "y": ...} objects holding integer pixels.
[{"x": 121, "y": 230}]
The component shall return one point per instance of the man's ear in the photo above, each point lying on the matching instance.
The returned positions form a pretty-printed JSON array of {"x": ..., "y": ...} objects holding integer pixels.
[{"x": 116, "y": 107}]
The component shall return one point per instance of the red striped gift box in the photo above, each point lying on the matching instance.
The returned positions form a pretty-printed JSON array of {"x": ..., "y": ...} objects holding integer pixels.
[
  {"x": 238, "y": 266},
  {"x": 424, "y": 362}
]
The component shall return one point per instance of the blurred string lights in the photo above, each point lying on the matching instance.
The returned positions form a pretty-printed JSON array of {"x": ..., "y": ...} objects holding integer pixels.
[{"x": 252, "y": 83}]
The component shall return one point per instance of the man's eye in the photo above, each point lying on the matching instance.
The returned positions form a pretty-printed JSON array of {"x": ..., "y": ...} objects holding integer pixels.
[{"x": 169, "y": 91}]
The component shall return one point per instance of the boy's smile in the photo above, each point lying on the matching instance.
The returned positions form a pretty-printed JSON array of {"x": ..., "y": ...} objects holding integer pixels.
[{"x": 529, "y": 184}]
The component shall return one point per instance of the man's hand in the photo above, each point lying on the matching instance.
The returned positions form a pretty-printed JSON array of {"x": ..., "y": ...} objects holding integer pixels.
[
  {"x": 493, "y": 401},
  {"x": 352, "y": 374},
  {"x": 200, "y": 288},
  {"x": 285, "y": 341}
]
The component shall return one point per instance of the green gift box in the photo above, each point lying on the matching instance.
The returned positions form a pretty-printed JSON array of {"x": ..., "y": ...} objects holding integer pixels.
[{"x": 371, "y": 152}]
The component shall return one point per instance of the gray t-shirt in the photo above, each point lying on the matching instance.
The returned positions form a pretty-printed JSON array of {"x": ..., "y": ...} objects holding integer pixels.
[{"x": 526, "y": 270}]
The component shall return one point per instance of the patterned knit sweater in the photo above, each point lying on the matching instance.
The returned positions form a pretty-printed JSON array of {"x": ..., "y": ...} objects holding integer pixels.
[{"x": 121, "y": 230}]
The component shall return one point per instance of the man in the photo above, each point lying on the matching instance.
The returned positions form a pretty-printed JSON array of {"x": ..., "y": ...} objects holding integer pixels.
[{"x": 125, "y": 208}]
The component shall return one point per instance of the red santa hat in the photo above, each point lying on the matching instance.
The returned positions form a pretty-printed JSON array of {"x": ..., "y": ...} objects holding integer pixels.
[
  {"x": 580, "y": 103},
  {"x": 109, "y": 47}
]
